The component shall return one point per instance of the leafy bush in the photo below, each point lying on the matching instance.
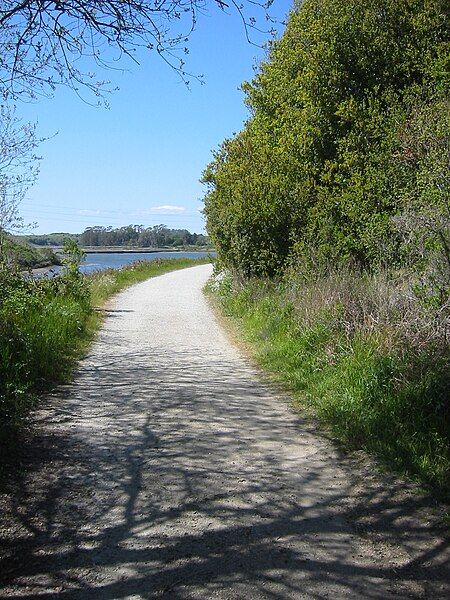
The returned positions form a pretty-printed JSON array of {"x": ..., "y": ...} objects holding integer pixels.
[
  {"x": 25, "y": 256},
  {"x": 332, "y": 206},
  {"x": 347, "y": 130}
]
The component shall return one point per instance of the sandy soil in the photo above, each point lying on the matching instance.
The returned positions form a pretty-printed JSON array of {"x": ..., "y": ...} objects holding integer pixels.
[{"x": 170, "y": 469}]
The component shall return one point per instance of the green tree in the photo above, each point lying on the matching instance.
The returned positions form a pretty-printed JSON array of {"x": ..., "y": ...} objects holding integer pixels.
[{"x": 314, "y": 176}]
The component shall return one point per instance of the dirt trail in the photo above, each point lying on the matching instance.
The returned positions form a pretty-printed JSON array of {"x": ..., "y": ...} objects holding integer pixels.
[{"x": 169, "y": 469}]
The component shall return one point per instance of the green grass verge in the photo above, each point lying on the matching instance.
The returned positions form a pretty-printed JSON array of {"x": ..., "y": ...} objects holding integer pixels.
[
  {"x": 390, "y": 402},
  {"x": 46, "y": 326}
]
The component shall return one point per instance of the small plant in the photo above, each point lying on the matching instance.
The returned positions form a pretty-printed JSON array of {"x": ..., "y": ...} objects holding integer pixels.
[{"x": 71, "y": 281}]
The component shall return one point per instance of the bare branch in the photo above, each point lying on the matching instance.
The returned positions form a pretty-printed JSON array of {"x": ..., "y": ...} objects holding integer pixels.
[
  {"x": 42, "y": 42},
  {"x": 19, "y": 166}
]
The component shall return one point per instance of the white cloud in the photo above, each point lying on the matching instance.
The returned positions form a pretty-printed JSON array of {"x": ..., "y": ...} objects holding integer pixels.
[
  {"x": 164, "y": 209},
  {"x": 88, "y": 213},
  {"x": 168, "y": 208}
]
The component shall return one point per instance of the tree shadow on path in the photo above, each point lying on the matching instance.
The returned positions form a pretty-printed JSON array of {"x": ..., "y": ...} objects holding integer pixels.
[{"x": 180, "y": 477}]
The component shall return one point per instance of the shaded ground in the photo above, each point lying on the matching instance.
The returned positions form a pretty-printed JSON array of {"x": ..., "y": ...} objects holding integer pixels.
[{"x": 168, "y": 469}]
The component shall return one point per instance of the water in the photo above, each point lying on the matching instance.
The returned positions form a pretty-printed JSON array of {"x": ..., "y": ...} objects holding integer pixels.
[{"x": 101, "y": 261}]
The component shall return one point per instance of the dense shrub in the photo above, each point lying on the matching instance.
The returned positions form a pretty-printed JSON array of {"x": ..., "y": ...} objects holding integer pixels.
[
  {"x": 24, "y": 255},
  {"x": 331, "y": 208},
  {"x": 348, "y": 129}
]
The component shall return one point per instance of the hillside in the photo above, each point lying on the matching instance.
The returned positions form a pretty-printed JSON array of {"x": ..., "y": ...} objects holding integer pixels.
[{"x": 28, "y": 257}]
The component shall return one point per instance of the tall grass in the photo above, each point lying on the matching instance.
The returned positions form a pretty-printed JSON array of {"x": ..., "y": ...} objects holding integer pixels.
[
  {"x": 46, "y": 325},
  {"x": 362, "y": 355}
]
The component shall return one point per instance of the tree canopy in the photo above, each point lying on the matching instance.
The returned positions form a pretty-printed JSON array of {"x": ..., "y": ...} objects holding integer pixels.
[{"x": 348, "y": 130}]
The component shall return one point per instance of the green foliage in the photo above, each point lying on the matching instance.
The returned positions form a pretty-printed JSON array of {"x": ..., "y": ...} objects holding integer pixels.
[
  {"x": 344, "y": 165},
  {"x": 39, "y": 323},
  {"x": 158, "y": 236},
  {"x": 423, "y": 225},
  {"x": 372, "y": 384},
  {"x": 71, "y": 281},
  {"x": 18, "y": 252},
  {"x": 328, "y": 156}
]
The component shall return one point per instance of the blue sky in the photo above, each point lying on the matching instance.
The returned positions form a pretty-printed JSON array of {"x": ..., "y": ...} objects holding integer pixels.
[{"x": 140, "y": 160}]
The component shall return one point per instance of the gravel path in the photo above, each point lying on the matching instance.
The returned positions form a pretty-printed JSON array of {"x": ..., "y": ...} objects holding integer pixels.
[{"x": 170, "y": 469}]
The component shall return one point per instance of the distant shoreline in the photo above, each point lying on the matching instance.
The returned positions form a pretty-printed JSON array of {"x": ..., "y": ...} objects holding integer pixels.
[
  {"x": 130, "y": 249},
  {"x": 38, "y": 270},
  {"x": 58, "y": 250}
]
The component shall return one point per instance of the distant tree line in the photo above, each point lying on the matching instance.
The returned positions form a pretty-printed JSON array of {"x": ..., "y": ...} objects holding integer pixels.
[
  {"x": 49, "y": 239},
  {"x": 131, "y": 235},
  {"x": 157, "y": 236}
]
